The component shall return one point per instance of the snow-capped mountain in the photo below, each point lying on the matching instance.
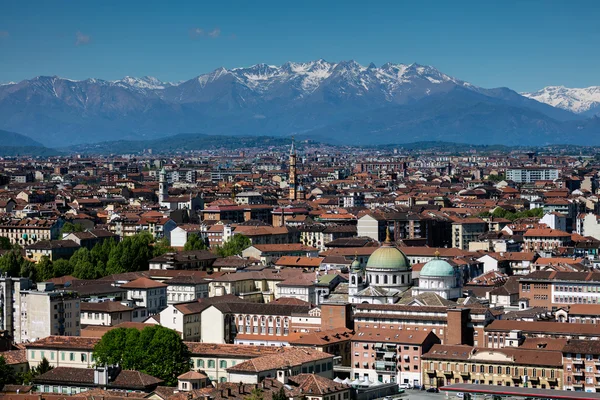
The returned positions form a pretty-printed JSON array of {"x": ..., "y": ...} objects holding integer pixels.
[
  {"x": 334, "y": 100},
  {"x": 577, "y": 100}
]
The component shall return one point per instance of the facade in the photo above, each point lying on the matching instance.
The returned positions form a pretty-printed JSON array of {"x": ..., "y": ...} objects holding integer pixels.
[
  {"x": 467, "y": 230},
  {"x": 45, "y": 312},
  {"x": 29, "y": 230},
  {"x": 446, "y": 365},
  {"x": 531, "y": 174},
  {"x": 148, "y": 294},
  {"x": 390, "y": 356},
  {"x": 107, "y": 313},
  {"x": 555, "y": 289},
  {"x": 62, "y": 351}
]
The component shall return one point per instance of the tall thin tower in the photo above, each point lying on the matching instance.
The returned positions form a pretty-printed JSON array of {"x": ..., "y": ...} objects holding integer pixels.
[
  {"x": 163, "y": 187},
  {"x": 292, "y": 179}
]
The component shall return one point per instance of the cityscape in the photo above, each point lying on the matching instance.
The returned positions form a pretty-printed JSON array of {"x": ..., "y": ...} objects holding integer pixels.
[{"x": 297, "y": 230}]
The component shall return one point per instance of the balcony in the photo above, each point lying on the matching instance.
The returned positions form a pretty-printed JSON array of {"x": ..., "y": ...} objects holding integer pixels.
[
  {"x": 578, "y": 372},
  {"x": 578, "y": 361}
]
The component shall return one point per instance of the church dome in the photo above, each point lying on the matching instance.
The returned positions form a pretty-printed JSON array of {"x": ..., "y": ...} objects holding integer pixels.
[
  {"x": 355, "y": 264},
  {"x": 437, "y": 268},
  {"x": 388, "y": 257}
]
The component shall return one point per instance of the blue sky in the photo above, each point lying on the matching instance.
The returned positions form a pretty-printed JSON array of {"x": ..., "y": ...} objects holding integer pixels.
[{"x": 524, "y": 45}]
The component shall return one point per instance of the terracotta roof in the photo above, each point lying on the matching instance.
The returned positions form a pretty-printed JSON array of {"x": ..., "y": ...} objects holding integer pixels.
[
  {"x": 125, "y": 379},
  {"x": 292, "y": 357},
  {"x": 64, "y": 342},
  {"x": 143, "y": 283}
]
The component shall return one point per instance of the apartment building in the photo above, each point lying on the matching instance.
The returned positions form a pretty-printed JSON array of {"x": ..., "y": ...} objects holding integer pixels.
[
  {"x": 450, "y": 324},
  {"x": 147, "y": 293},
  {"x": 390, "y": 356},
  {"x": 556, "y": 289},
  {"x": 27, "y": 231},
  {"x": 581, "y": 360}
]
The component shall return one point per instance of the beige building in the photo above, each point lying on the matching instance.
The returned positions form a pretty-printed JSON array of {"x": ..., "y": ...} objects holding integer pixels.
[
  {"x": 62, "y": 351},
  {"x": 450, "y": 364}
]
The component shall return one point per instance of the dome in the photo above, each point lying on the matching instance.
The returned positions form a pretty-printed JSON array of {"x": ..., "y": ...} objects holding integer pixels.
[
  {"x": 437, "y": 268},
  {"x": 388, "y": 257},
  {"x": 355, "y": 264}
]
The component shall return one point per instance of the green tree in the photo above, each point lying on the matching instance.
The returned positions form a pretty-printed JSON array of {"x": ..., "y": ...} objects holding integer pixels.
[
  {"x": 27, "y": 270},
  {"x": 195, "y": 242},
  {"x": 156, "y": 350},
  {"x": 83, "y": 265},
  {"x": 45, "y": 269},
  {"x": 131, "y": 254},
  {"x": 69, "y": 227},
  {"x": 11, "y": 262},
  {"x": 7, "y": 374},
  {"x": 62, "y": 267},
  {"x": 256, "y": 394},
  {"x": 5, "y": 243},
  {"x": 44, "y": 366},
  {"x": 280, "y": 395},
  {"x": 234, "y": 246},
  {"x": 161, "y": 247}
]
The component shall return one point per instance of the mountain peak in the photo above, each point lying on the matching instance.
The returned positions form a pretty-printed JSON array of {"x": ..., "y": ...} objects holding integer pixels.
[{"x": 578, "y": 100}]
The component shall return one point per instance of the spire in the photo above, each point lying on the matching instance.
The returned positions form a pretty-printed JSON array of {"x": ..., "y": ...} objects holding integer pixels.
[
  {"x": 293, "y": 148},
  {"x": 437, "y": 254}
]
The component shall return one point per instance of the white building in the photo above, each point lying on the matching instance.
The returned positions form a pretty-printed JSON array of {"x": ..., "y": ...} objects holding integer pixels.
[
  {"x": 186, "y": 288},
  {"x": 441, "y": 278},
  {"x": 146, "y": 293}
]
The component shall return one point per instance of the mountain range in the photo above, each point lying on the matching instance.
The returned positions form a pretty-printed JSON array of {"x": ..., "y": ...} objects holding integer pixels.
[{"x": 342, "y": 102}]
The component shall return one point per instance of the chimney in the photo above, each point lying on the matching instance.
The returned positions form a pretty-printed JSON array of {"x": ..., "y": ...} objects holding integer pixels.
[
  {"x": 457, "y": 330},
  {"x": 240, "y": 388}
]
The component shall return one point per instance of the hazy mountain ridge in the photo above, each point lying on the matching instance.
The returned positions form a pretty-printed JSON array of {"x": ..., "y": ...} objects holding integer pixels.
[{"x": 336, "y": 101}]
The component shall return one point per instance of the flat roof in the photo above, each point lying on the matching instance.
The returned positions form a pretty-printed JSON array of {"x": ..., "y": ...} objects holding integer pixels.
[{"x": 520, "y": 391}]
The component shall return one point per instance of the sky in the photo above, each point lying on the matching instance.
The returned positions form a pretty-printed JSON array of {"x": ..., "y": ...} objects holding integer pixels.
[{"x": 524, "y": 45}]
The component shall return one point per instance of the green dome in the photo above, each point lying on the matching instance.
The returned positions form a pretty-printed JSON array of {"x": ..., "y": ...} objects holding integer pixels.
[
  {"x": 437, "y": 268},
  {"x": 388, "y": 257},
  {"x": 355, "y": 265}
]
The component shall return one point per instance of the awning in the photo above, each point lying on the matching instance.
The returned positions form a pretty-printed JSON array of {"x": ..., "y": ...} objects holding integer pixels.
[
  {"x": 389, "y": 354},
  {"x": 378, "y": 344}
]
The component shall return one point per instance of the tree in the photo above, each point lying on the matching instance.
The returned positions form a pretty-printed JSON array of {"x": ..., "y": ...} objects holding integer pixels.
[
  {"x": 256, "y": 394},
  {"x": 62, "y": 267},
  {"x": 156, "y": 351},
  {"x": 45, "y": 269},
  {"x": 43, "y": 367},
  {"x": 69, "y": 227},
  {"x": 280, "y": 395},
  {"x": 131, "y": 254},
  {"x": 161, "y": 247},
  {"x": 7, "y": 374},
  {"x": 235, "y": 245},
  {"x": 5, "y": 243},
  {"x": 195, "y": 242},
  {"x": 10, "y": 263},
  {"x": 83, "y": 265}
]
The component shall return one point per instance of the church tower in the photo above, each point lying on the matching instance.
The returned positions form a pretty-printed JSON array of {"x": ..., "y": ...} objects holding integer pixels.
[
  {"x": 163, "y": 188},
  {"x": 357, "y": 279},
  {"x": 293, "y": 195}
]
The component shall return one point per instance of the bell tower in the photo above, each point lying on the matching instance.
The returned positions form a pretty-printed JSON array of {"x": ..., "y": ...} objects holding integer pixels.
[
  {"x": 292, "y": 178},
  {"x": 163, "y": 188}
]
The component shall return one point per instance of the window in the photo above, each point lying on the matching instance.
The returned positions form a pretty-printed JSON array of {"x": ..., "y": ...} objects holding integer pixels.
[
  {"x": 71, "y": 356},
  {"x": 199, "y": 363},
  {"x": 223, "y": 364},
  {"x": 211, "y": 363}
]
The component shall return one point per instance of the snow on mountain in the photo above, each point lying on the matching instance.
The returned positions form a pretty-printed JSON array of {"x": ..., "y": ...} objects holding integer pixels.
[
  {"x": 146, "y": 82},
  {"x": 577, "y": 100}
]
